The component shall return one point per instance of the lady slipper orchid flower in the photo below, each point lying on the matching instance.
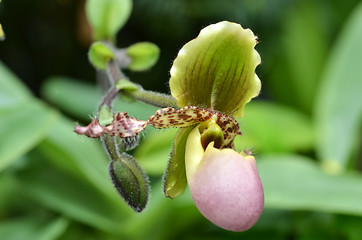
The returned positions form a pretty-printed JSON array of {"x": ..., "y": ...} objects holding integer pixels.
[{"x": 212, "y": 79}]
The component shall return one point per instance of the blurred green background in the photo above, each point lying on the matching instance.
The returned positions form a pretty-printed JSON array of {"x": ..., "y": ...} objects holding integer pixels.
[{"x": 304, "y": 128}]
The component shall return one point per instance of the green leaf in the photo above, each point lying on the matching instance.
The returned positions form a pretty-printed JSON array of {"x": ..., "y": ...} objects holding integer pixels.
[
  {"x": 297, "y": 183},
  {"x": 175, "y": 176},
  {"x": 144, "y": 55},
  {"x": 216, "y": 70},
  {"x": 21, "y": 128},
  {"x": 305, "y": 47},
  {"x": 269, "y": 127},
  {"x": 70, "y": 195},
  {"x": 164, "y": 218},
  {"x": 12, "y": 91},
  {"x": 107, "y": 17},
  {"x": 34, "y": 227},
  {"x": 80, "y": 156},
  {"x": 72, "y": 96},
  {"x": 130, "y": 181},
  {"x": 99, "y": 55},
  {"x": 338, "y": 111}
]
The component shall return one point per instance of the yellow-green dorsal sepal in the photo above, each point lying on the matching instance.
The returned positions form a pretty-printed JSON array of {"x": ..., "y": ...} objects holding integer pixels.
[{"x": 217, "y": 70}]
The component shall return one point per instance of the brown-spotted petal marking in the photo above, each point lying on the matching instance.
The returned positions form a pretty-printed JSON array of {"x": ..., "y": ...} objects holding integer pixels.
[
  {"x": 184, "y": 117},
  {"x": 191, "y": 115},
  {"x": 126, "y": 126},
  {"x": 122, "y": 126}
]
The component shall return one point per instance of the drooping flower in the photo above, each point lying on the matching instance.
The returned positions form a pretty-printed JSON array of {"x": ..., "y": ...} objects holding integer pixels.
[
  {"x": 217, "y": 71},
  {"x": 212, "y": 79}
]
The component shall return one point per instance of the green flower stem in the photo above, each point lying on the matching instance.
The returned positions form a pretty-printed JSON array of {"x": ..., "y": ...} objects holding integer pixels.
[
  {"x": 109, "y": 98},
  {"x": 149, "y": 97},
  {"x": 114, "y": 73},
  {"x": 153, "y": 98}
]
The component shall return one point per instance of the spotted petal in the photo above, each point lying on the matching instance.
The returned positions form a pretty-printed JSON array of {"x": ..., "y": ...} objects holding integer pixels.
[{"x": 126, "y": 126}]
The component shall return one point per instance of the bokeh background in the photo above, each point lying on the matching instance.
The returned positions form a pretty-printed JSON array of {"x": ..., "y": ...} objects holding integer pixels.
[{"x": 304, "y": 128}]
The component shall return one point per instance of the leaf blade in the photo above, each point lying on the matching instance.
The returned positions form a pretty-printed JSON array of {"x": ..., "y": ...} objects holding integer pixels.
[
  {"x": 338, "y": 111},
  {"x": 22, "y": 128},
  {"x": 297, "y": 183}
]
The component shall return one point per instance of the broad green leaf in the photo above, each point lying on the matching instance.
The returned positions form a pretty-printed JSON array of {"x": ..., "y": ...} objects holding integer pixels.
[
  {"x": 294, "y": 56},
  {"x": 305, "y": 48},
  {"x": 8, "y": 191},
  {"x": 34, "y": 227},
  {"x": 21, "y": 128},
  {"x": 107, "y": 17},
  {"x": 80, "y": 156},
  {"x": 72, "y": 96},
  {"x": 12, "y": 91},
  {"x": 269, "y": 127},
  {"x": 53, "y": 229},
  {"x": 164, "y": 218},
  {"x": 216, "y": 70},
  {"x": 338, "y": 111},
  {"x": 81, "y": 99},
  {"x": 351, "y": 226},
  {"x": 70, "y": 195},
  {"x": 297, "y": 183}
]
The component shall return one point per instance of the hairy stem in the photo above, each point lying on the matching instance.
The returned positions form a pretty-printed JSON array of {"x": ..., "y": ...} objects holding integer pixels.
[{"x": 153, "y": 98}]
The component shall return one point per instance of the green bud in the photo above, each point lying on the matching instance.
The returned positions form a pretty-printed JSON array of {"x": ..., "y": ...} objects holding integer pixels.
[
  {"x": 99, "y": 55},
  {"x": 130, "y": 181},
  {"x": 217, "y": 70},
  {"x": 175, "y": 176},
  {"x": 107, "y": 17},
  {"x": 143, "y": 55}
]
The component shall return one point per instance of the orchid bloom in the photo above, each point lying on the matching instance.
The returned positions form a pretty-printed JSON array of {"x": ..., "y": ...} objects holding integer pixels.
[{"x": 212, "y": 79}]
